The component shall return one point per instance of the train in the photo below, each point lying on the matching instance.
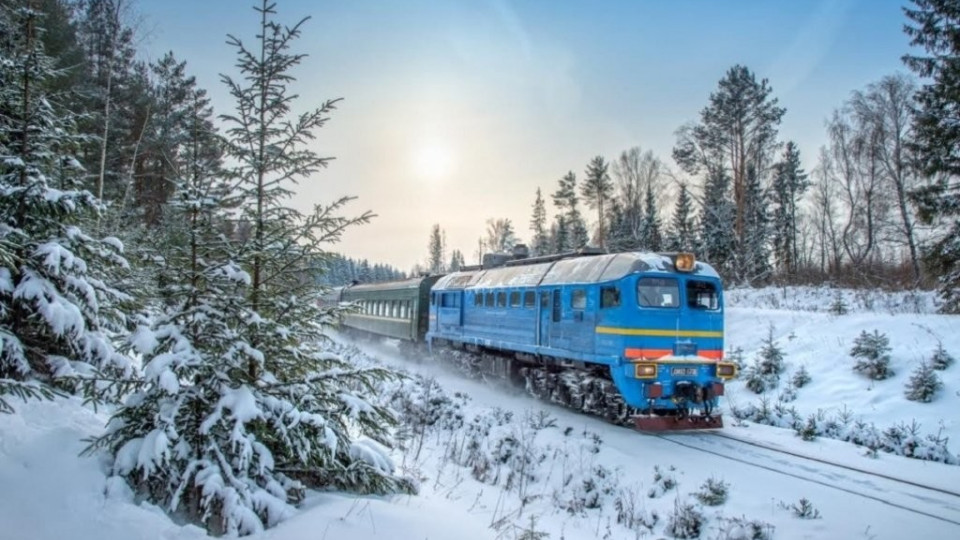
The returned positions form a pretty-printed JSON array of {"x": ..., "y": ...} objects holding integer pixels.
[{"x": 634, "y": 337}]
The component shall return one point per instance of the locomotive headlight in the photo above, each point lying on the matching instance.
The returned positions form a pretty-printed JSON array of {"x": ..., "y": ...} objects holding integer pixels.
[
  {"x": 646, "y": 371},
  {"x": 726, "y": 371},
  {"x": 684, "y": 262}
]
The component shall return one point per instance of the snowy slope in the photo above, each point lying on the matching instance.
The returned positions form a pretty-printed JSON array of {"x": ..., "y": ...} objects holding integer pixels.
[{"x": 496, "y": 464}]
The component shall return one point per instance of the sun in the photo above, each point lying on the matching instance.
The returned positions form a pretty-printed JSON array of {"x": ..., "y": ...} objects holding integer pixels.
[{"x": 433, "y": 160}]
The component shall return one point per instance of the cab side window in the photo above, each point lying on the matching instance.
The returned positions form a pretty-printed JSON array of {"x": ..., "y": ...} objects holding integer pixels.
[
  {"x": 578, "y": 299},
  {"x": 609, "y": 297}
]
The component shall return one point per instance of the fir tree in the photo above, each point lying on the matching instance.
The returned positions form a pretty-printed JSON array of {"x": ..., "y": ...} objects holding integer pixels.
[
  {"x": 941, "y": 359},
  {"x": 456, "y": 261},
  {"x": 935, "y": 26},
  {"x": 716, "y": 236},
  {"x": 789, "y": 184},
  {"x": 244, "y": 405},
  {"x": 753, "y": 261},
  {"x": 58, "y": 308},
  {"x": 597, "y": 188},
  {"x": 538, "y": 226},
  {"x": 682, "y": 233},
  {"x": 872, "y": 352},
  {"x": 574, "y": 230},
  {"x": 923, "y": 384},
  {"x": 651, "y": 238},
  {"x": 436, "y": 250}
]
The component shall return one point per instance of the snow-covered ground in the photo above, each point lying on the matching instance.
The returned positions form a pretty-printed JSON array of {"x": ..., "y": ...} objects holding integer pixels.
[{"x": 494, "y": 464}]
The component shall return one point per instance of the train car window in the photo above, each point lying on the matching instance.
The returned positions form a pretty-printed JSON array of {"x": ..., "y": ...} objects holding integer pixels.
[
  {"x": 609, "y": 297},
  {"x": 702, "y": 295},
  {"x": 515, "y": 299},
  {"x": 448, "y": 300},
  {"x": 433, "y": 299},
  {"x": 478, "y": 299},
  {"x": 529, "y": 299},
  {"x": 658, "y": 292},
  {"x": 544, "y": 299},
  {"x": 501, "y": 299},
  {"x": 578, "y": 299},
  {"x": 488, "y": 299}
]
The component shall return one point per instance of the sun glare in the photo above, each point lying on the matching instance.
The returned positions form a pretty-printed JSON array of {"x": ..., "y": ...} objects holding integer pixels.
[{"x": 433, "y": 161}]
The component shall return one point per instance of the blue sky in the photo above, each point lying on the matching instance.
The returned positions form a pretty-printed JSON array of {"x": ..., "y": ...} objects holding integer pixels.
[{"x": 456, "y": 112}]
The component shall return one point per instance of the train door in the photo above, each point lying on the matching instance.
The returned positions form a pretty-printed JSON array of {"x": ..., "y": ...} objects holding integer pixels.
[
  {"x": 450, "y": 312},
  {"x": 549, "y": 313}
]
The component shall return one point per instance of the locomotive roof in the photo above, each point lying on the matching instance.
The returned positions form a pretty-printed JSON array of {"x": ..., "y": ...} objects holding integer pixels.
[{"x": 590, "y": 269}]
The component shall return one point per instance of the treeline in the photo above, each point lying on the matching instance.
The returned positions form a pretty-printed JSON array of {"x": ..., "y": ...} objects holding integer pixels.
[
  {"x": 338, "y": 270},
  {"x": 738, "y": 196}
]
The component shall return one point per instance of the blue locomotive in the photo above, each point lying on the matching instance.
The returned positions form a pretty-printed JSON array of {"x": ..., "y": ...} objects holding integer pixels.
[{"x": 626, "y": 335}]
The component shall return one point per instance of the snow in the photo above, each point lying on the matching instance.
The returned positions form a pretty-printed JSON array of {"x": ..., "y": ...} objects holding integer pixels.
[{"x": 492, "y": 463}]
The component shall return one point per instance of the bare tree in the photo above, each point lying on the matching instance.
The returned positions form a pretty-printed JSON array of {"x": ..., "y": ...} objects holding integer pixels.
[
  {"x": 885, "y": 107},
  {"x": 824, "y": 211}
]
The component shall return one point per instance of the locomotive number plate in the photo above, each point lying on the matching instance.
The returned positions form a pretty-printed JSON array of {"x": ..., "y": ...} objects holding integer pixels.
[{"x": 683, "y": 371}]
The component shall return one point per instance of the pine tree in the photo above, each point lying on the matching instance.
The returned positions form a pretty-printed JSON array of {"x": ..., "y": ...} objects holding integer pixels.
[
  {"x": 753, "y": 261},
  {"x": 244, "y": 405},
  {"x": 923, "y": 384},
  {"x": 716, "y": 236},
  {"x": 58, "y": 305},
  {"x": 597, "y": 188},
  {"x": 872, "y": 352},
  {"x": 789, "y": 184},
  {"x": 436, "y": 253},
  {"x": 115, "y": 92},
  {"x": 456, "y": 261},
  {"x": 737, "y": 134},
  {"x": 538, "y": 226},
  {"x": 682, "y": 235},
  {"x": 574, "y": 230},
  {"x": 651, "y": 239},
  {"x": 936, "y": 27}
]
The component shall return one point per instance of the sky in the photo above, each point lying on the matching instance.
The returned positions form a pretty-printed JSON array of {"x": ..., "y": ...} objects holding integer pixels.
[{"x": 455, "y": 112}]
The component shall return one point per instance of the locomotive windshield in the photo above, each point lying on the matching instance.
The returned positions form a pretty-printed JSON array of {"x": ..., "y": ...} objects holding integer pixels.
[
  {"x": 702, "y": 295},
  {"x": 658, "y": 292}
]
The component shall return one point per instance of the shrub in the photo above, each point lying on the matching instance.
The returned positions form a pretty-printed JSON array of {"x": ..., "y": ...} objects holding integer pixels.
[
  {"x": 923, "y": 384},
  {"x": 662, "y": 482},
  {"x": 941, "y": 359},
  {"x": 685, "y": 521},
  {"x": 742, "y": 528},
  {"x": 808, "y": 431},
  {"x": 713, "y": 492},
  {"x": 871, "y": 352},
  {"x": 804, "y": 509},
  {"x": 839, "y": 305},
  {"x": 801, "y": 377}
]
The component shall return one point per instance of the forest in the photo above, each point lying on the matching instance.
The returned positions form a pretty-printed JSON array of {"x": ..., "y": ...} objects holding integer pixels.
[{"x": 151, "y": 259}]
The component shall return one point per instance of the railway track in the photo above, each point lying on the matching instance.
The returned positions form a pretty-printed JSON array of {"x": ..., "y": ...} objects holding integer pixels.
[{"x": 929, "y": 501}]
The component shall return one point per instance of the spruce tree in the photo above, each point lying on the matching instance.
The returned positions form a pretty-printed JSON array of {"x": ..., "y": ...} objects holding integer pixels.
[
  {"x": 935, "y": 26},
  {"x": 789, "y": 184},
  {"x": 682, "y": 233},
  {"x": 574, "y": 231},
  {"x": 651, "y": 238},
  {"x": 435, "y": 253},
  {"x": 538, "y": 226},
  {"x": 753, "y": 258},
  {"x": 244, "y": 406},
  {"x": 456, "y": 262},
  {"x": 716, "y": 236},
  {"x": 597, "y": 188},
  {"x": 58, "y": 305},
  {"x": 923, "y": 384}
]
